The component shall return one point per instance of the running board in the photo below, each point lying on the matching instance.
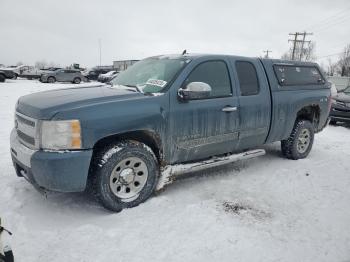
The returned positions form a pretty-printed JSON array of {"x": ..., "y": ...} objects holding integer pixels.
[{"x": 169, "y": 173}]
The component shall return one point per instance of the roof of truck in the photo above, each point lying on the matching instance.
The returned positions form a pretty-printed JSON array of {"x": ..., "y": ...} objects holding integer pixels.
[{"x": 199, "y": 55}]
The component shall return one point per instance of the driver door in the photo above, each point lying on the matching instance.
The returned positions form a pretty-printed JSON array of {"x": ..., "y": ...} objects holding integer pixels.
[{"x": 205, "y": 127}]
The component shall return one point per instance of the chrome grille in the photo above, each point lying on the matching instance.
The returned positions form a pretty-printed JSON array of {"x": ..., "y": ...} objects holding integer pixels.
[
  {"x": 27, "y": 130},
  {"x": 25, "y": 121}
]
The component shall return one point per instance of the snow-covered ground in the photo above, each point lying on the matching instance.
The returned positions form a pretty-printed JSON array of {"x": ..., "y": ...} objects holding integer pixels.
[{"x": 264, "y": 209}]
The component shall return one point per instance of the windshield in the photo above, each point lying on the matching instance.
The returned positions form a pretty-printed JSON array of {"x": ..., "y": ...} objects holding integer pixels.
[{"x": 150, "y": 75}]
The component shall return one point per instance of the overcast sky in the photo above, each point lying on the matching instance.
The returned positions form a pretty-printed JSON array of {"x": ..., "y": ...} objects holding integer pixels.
[{"x": 67, "y": 31}]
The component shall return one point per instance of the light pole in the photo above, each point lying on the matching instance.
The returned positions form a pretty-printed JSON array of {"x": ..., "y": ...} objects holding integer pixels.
[{"x": 100, "y": 49}]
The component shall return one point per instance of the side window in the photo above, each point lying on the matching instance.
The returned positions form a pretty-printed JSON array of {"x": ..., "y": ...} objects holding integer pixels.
[
  {"x": 298, "y": 75},
  {"x": 215, "y": 74},
  {"x": 247, "y": 77}
]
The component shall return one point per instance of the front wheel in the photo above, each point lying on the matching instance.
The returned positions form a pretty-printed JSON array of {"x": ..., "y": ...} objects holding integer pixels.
[
  {"x": 125, "y": 175},
  {"x": 300, "y": 142},
  {"x": 76, "y": 80},
  {"x": 51, "y": 79}
]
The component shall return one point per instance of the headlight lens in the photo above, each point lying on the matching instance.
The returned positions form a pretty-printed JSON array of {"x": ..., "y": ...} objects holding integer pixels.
[{"x": 58, "y": 135}]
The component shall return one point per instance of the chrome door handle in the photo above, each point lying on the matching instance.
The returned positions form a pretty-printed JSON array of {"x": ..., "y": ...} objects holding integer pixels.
[{"x": 229, "y": 109}]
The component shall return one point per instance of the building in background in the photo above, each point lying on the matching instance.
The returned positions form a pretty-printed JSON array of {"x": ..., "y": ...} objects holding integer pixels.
[{"x": 123, "y": 64}]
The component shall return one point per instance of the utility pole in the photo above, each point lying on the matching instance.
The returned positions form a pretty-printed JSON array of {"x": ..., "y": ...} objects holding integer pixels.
[
  {"x": 267, "y": 53},
  {"x": 298, "y": 41},
  {"x": 302, "y": 44},
  {"x": 294, "y": 43},
  {"x": 100, "y": 49}
]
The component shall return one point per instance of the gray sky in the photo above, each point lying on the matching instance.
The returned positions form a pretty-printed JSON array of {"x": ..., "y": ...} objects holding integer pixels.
[{"x": 67, "y": 31}]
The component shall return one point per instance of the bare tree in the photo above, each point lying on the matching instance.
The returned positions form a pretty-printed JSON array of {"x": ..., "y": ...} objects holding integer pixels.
[
  {"x": 307, "y": 53},
  {"x": 41, "y": 64},
  {"x": 343, "y": 65},
  {"x": 287, "y": 55},
  {"x": 331, "y": 68}
]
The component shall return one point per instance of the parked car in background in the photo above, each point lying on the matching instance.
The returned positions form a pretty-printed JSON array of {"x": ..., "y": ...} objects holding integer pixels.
[
  {"x": 340, "y": 110},
  {"x": 94, "y": 72},
  {"x": 163, "y": 116},
  {"x": 2, "y": 77},
  {"x": 6, "y": 74},
  {"x": 32, "y": 73},
  {"x": 104, "y": 78},
  {"x": 62, "y": 75},
  {"x": 18, "y": 70}
]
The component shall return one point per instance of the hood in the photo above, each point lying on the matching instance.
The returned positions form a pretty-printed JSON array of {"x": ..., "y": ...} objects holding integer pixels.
[
  {"x": 342, "y": 97},
  {"x": 44, "y": 105}
]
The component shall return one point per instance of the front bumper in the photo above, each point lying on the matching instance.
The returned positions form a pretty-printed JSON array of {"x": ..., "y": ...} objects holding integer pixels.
[
  {"x": 340, "y": 113},
  {"x": 62, "y": 171}
]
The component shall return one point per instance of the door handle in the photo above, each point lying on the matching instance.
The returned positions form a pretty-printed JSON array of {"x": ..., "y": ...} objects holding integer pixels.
[{"x": 229, "y": 109}]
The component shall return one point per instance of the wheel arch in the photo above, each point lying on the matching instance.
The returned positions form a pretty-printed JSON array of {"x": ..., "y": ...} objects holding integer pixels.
[
  {"x": 311, "y": 113},
  {"x": 148, "y": 137}
]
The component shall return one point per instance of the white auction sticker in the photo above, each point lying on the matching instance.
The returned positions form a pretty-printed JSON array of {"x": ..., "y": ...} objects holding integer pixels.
[{"x": 156, "y": 82}]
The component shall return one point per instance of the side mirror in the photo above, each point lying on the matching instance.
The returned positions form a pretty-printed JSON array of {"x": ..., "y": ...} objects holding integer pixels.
[{"x": 194, "y": 90}]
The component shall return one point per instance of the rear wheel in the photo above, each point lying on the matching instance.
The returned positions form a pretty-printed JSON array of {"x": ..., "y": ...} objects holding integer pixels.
[
  {"x": 2, "y": 78},
  {"x": 51, "y": 79},
  {"x": 124, "y": 175},
  {"x": 300, "y": 142}
]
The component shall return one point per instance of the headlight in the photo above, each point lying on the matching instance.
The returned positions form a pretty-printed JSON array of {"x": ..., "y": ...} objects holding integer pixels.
[{"x": 65, "y": 134}]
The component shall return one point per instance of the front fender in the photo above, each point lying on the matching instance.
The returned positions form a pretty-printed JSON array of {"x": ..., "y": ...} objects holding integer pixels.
[{"x": 111, "y": 118}]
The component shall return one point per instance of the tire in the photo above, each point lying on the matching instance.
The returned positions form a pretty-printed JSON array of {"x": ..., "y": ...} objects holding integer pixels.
[
  {"x": 15, "y": 76},
  {"x": 124, "y": 175},
  {"x": 2, "y": 78},
  {"x": 51, "y": 79},
  {"x": 333, "y": 122},
  {"x": 300, "y": 142},
  {"x": 76, "y": 80}
]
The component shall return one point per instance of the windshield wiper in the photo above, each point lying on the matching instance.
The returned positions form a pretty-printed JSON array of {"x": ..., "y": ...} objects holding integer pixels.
[{"x": 134, "y": 86}]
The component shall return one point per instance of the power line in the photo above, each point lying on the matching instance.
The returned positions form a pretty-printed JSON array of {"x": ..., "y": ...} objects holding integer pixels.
[
  {"x": 330, "y": 19},
  {"x": 330, "y": 25},
  {"x": 330, "y": 55}
]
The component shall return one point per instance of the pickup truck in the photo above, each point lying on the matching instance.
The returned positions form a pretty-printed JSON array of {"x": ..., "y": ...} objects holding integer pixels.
[
  {"x": 162, "y": 116},
  {"x": 6, "y": 74}
]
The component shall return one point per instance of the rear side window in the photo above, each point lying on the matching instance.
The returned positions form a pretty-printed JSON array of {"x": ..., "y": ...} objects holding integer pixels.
[
  {"x": 298, "y": 75},
  {"x": 215, "y": 74},
  {"x": 248, "y": 79}
]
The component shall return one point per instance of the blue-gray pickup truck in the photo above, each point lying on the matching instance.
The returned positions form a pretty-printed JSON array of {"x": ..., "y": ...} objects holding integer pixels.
[{"x": 163, "y": 116}]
